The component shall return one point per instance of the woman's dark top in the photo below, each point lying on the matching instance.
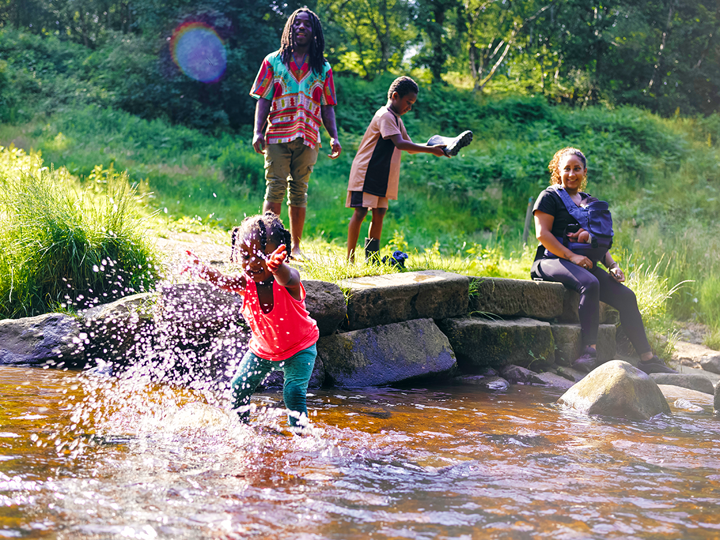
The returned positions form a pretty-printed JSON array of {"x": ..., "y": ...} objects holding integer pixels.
[{"x": 550, "y": 202}]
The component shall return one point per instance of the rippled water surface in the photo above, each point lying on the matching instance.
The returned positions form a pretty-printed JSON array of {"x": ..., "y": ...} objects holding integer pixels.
[{"x": 86, "y": 457}]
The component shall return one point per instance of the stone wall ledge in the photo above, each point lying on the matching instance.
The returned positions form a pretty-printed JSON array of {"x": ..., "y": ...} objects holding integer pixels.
[{"x": 392, "y": 298}]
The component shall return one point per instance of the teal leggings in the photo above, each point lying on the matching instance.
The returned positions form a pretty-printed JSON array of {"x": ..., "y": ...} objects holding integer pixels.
[{"x": 297, "y": 371}]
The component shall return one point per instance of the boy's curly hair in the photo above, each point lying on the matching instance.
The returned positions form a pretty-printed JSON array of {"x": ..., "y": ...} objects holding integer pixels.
[
  {"x": 267, "y": 228},
  {"x": 554, "y": 165},
  {"x": 316, "y": 55},
  {"x": 403, "y": 86}
]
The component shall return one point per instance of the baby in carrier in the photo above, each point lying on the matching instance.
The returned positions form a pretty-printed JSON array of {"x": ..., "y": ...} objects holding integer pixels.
[{"x": 583, "y": 237}]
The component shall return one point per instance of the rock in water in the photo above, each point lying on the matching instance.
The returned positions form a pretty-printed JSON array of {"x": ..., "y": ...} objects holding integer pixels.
[
  {"x": 617, "y": 389},
  {"x": 716, "y": 402}
]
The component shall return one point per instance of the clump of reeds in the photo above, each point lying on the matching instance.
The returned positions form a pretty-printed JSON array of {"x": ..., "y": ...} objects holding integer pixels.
[{"x": 63, "y": 247}]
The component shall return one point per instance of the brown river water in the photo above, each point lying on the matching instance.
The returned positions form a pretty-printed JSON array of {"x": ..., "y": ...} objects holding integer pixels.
[{"x": 86, "y": 456}]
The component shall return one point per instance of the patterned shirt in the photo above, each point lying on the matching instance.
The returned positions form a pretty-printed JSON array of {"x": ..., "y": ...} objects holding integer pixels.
[{"x": 297, "y": 95}]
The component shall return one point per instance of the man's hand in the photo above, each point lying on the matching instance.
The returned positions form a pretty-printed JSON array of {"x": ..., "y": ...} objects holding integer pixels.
[
  {"x": 276, "y": 259},
  {"x": 336, "y": 149},
  {"x": 259, "y": 143}
]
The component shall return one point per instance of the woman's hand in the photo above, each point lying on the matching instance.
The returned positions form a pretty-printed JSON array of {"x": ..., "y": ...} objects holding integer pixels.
[
  {"x": 617, "y": 274},
  {"x": 276, "y": 259},
  {"x": 581, "y": 261}
]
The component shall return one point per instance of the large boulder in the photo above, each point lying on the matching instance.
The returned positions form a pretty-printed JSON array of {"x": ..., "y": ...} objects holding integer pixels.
[
  {"x": 116, "y": 330},
  {"x": 479, "y": 343},
  {"x": 386, "y": 354},
  {"x": 391, "y": 298},
  {"x": 516, "y": 298},
  {"x": 568, "y": 343},
  {"x": 326, "y": 304},
  {"x": 54, "y": 339},
  {"x": 608, "y": 315},
  {"x": 692, "y": 381},
  {"x": 619, "y": 390}
]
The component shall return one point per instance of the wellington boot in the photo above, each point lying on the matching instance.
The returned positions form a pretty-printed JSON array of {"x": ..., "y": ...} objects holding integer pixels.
[
  {"x": 372, "y": 251},
  {"x": 452, "y": 144}
]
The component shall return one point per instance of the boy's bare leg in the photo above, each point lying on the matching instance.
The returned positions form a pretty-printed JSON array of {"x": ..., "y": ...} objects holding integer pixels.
[
  {"x": 297, "y": 223},
  {"x": 356, "y": 222},
  {"x": 376, "y": 225},
  {"x": 272, "y": 207}
]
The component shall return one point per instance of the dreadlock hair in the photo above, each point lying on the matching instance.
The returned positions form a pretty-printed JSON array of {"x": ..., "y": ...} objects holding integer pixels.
[
  {"x": 317, "y": 47},
  {"x": 403, "y": 86},
  {"x": 554, "y": 166},
  {"x": 267, "y": 228}
]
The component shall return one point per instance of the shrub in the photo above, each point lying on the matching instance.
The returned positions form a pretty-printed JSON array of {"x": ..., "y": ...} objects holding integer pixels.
[{"x": 60, "y": 248}]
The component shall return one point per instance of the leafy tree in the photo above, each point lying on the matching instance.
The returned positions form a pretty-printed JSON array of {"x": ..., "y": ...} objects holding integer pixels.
[{"x": 368, "y": 36}]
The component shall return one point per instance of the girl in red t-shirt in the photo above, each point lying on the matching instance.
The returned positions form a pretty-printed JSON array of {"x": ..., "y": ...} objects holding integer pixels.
[{"x": 283, "y": 333}]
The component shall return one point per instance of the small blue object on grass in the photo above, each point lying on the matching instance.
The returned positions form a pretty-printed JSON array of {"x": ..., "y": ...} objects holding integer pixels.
[{"x": 398, "y": 259}]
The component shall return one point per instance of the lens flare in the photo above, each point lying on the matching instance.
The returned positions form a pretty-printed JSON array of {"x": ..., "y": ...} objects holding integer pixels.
[{"x": 199, "y": 52}]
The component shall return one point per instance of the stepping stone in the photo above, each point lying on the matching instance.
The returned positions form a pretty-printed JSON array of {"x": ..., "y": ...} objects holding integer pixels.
[
  {"x": 387, "y": 354},
  {"x": 479, "y": 343},
  {"x": 516, "y": 298},
  {"x": 568, "y": 343},
  {"x": 392, "y": 298}
]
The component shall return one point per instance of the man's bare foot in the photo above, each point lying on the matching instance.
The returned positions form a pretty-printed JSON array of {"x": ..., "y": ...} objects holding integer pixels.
[{"x": 297, "y": 255}]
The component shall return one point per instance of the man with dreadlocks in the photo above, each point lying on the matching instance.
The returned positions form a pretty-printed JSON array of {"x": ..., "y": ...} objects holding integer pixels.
[{"x": 295, "y": 93}]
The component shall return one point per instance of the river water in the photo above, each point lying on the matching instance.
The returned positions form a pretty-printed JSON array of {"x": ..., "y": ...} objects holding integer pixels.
[{"x": 93, "y": 457}]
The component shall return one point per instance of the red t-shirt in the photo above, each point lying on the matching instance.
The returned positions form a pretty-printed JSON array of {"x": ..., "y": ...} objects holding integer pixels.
[{"x": 285, "y": 331}]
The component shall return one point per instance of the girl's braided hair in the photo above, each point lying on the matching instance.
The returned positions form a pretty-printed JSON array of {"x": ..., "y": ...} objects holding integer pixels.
[
  {"x": 316, "y": 57},
  {"x": 267, "y": 228},
  {"x": 554, "y": 165}
]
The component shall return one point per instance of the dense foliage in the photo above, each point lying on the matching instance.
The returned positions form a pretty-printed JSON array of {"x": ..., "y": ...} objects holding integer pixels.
[{"x": 661, "y": 55}]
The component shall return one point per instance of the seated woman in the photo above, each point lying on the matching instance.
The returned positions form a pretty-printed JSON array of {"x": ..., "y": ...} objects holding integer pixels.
[{"x": 555, "y": 261}]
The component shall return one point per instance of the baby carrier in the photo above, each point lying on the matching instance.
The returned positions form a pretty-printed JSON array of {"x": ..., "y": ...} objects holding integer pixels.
[{"x": 596, "y": 219}]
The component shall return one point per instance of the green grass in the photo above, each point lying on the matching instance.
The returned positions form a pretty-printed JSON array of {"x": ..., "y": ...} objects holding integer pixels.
[{"x": 62, "y": 247}]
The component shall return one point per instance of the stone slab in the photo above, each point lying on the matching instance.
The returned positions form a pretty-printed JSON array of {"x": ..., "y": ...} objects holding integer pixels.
[
  {"x": 392, "y": 298},
  {"x": 696, "y": 382},
  {"x": 571, "y": 301},
  {"x": 386, "y": 354},
  {"x": 516, "y": 298},
  {"x": 479, "y": 343},
  {"x": 673, "y": 393},
  {"x": 326, "y": 304},
  {"x": 568, "y": 343}
]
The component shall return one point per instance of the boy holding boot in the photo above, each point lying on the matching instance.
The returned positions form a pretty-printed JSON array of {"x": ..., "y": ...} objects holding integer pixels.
[{"x": 375, "y": 171}]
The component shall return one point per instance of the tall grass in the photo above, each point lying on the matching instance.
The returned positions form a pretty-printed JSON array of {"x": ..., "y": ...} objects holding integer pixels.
[{"x": 63, "y": 247}]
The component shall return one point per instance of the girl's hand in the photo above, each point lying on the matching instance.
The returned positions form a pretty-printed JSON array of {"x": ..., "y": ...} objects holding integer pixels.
[
  {"x": 581, "y": 261},
  {"x": 192, "y": 264},
  {"x": 276, "y": 259},
  {"x": 617, "y": 274}
]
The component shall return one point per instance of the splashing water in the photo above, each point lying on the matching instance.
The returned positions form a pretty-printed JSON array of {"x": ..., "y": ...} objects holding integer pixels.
[{"x": 199, "y": 52}]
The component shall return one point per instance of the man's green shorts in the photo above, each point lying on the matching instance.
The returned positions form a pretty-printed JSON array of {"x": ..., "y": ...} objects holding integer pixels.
[{"x": 288, "y": 163}]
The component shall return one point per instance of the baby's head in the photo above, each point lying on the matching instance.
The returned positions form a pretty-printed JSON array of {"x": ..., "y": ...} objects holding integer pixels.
[{"x": 255, "y": 239}]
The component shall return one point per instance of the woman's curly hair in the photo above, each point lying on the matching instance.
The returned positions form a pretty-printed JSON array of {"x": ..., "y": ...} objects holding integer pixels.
[
  {"x": 316, "y": 56},
  {"x": 267, "y": 228},
  {"x": 554, "y": 166}
]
